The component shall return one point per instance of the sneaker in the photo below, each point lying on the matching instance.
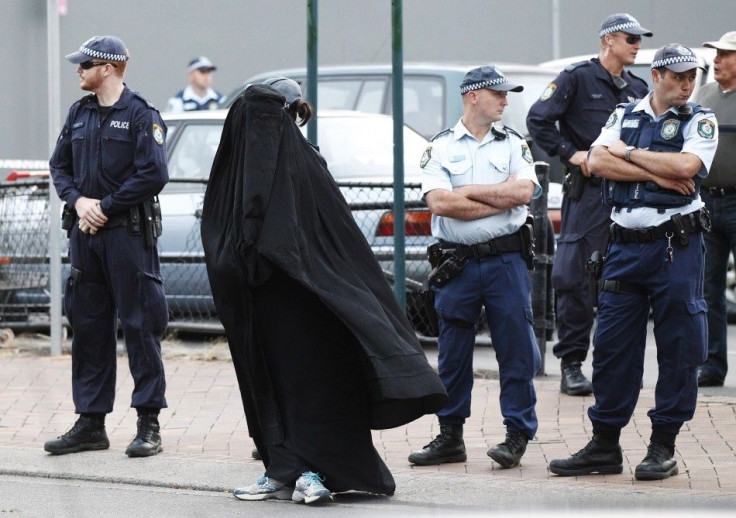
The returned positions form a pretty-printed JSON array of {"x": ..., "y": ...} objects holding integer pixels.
[
  {"x": 658, "y": 464},
  {"x": 87, "y": 434},
  {"x": 508, "y": 454},
  {"x": 309, "y": 489},
  {"x": 597, "y": 457},
  {"x": 264, "y": 488}
]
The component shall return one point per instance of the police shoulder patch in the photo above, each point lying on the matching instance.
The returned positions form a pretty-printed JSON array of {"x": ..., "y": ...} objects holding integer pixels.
[
  {"x": 158, "y": 134},
  {"x": 611, "y": 120},
  {"x": 706, "y": 128},
  {"x": 526, "y": 153},
  {"x": 548, "y": 92},
  {"x": 426, "y": 157}
]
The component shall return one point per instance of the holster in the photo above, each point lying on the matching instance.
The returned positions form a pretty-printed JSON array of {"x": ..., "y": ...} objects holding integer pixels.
[
  {"x": 67, "y": 217},
  {"x": 574, "y": 182},
  {"x": 450, "y": 265},
  {"x": 527, "y": 243},
  {"x": 152, "y": 227}
]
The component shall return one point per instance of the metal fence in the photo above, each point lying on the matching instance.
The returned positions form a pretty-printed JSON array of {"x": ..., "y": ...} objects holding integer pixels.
[{"x": 24, "y": 264}]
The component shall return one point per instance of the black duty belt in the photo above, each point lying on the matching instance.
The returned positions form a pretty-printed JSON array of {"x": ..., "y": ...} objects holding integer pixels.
[
  {"x": 497, "y": 246},
  {"x": 116, "y": 221},
  {"x": 717, "y": 192},
  {"x": 687, "y": 224}
]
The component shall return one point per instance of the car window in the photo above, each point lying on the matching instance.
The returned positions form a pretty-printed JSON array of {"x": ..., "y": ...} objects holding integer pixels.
[
  {"x": 372, "y": 96},
  {"x": 362, "y": 148},
  {"x": 519, "y": 103},
  {"x": 338, "y": 95},
  {"x": 194, "y": 152},
  {"x": 424, "y": 103}
]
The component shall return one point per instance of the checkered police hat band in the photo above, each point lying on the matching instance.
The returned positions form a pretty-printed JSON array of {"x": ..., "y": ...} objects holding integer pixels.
[
  {"x": 675, "y": 59},
  {"x": 617, "y": 28},
  {"x": 483, "y": 84},
  {"x": 102, "y": 55}
]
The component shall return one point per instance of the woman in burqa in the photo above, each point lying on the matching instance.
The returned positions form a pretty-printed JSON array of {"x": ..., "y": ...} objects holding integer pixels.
[{"x": 321, "y": 349}]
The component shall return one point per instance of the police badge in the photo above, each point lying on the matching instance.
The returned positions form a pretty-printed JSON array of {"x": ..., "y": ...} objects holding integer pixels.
[
  {"x": 706, "y": 128},
  {"x": 158, "y": 134},
  {"x": 611, "y": 120},
  {"x": 669, "y": 128},
  {"x": 548, "y": 92},
  {"x": 425, "y": 157},
  {"x": 526, "y": 153}
]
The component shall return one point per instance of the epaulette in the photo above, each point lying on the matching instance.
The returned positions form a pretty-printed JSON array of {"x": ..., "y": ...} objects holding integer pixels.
[
  {"x": 511, "y": 130},
  {"x": 440, "y": 133},
  {"x": 139, "y": 96},
  {"x": 573, "y": 66}
]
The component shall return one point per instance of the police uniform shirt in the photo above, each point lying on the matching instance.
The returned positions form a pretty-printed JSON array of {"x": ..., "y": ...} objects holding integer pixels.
[
  {"x": 702, "y": 146},
  {"x": 455, "y": 158},
  {"x": 186, "y": 100}
]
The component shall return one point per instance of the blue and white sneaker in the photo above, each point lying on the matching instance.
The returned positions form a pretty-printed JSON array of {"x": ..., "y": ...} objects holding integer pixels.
[
  {"x": 309, "y": 489},
  {"x": 264, "y": 488}
]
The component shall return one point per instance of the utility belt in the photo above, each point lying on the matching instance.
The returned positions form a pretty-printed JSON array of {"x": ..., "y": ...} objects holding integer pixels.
[
  {"x": 679, "y": 226},
  {"x": 449, "y": 259},
  {"x": 718, "y": 192},
  {"x": 143, "y": 219}
]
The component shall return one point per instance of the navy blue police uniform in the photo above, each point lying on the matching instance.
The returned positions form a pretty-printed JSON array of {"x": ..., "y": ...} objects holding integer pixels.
[
  {"x": 116, "y": 155},
  {"x": 655, "y": 259},
  {"x": 580, "y": 99}
]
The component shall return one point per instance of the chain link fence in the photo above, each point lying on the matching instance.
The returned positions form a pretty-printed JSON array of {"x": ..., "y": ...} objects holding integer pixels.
[{"x": 24, "y": 264}]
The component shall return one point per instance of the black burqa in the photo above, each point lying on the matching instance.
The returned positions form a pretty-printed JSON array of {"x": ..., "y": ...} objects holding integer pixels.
[{"x": 321, "y": 349}]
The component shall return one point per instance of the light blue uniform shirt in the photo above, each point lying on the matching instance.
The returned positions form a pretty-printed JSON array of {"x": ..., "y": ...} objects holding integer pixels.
[
  {"x": 456, "y": 158},
  {"x": 702, "y": 147}
]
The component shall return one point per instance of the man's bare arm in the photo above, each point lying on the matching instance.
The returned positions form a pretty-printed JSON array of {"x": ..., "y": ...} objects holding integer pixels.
[
  {"x": 450, "y": 204},
  {"x": 503, "y": 196}
]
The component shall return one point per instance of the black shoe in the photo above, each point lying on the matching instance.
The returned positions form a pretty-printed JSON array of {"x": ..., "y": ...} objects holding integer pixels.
[
  {"x": 658, "y": 464},
  {"x": 596, "y": 457},
  {"x": 509, "y": 452},
  {"x": 707, "y": 379},
  {"x": 574, "y": 382},
  {"x": 256, "y": 454},
  {"x": 147, "y": 441},
  {"x": 88, "y": 433},
  {"x": 448, "y": 446}
]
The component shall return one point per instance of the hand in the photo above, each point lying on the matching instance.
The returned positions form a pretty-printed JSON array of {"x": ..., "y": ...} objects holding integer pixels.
[
  {"x": 580, "y": 158},
  {"x": 86, "y": 227},
  {"x": 88, "y": 209},
  {"x": 684, "y": 186}
]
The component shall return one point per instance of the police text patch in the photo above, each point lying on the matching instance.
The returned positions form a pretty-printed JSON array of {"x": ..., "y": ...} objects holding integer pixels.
[
  {"x": 706, "y": 128},
  {"x": 158, "y": 134}
]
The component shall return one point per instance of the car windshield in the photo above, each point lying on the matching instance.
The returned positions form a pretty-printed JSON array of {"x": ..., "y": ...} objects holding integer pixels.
[{"x": 362, "y": 148}]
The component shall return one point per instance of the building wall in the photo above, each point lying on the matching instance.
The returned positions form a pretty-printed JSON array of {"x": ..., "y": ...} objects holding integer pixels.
[{"x": 246, "y": 37}]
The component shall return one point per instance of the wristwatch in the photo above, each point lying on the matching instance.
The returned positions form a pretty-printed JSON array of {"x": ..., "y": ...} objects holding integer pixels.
[{"x": 627, "y": 152}]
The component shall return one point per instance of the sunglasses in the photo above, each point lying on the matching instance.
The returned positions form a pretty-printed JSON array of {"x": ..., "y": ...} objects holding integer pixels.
[
  {"x": 632, "y": 39},
  {"x": 89, "y": 64}
]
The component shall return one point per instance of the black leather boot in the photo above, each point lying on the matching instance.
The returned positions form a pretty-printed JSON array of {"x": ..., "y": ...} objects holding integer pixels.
[
  {"x": 574, "y": 382},
  {"x": 509, "y": 453},
  {"x": 147, "y": 441},
  {"x": 447, "y": 447},
  {"x": 598, "y": 456},
  {"x": 658, "y": 464},
  {"x": 88, "y": 433}
]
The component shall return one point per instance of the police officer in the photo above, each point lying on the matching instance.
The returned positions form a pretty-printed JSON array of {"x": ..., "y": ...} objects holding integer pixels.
[
  {"x": 579, "y": 102},
  {"x": 198, "y": 94},
  {"x": 719, "y": 195},
  {"x": 477, "y": 179},
  {"x": 108, "y": 164},
  {"x": 653, "y": 155}
]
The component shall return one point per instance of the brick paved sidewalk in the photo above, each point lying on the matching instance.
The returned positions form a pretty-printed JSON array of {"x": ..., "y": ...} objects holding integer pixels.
[{"x": 205, "y": 420}]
